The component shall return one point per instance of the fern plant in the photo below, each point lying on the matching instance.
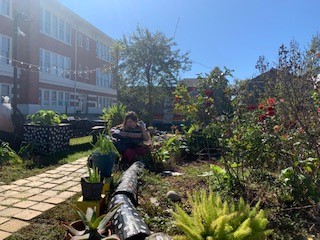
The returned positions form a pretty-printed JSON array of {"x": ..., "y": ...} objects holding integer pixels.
[{"x": 213, "y": 219}]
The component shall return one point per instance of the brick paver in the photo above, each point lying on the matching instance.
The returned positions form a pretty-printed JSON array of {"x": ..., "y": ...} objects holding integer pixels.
[
  {"x": 13, "y": 225},
  {"x": 9, "y": 212},
  {"x": 24, "y": 204},
  {"x": 27, "y": 214},
  {"x": 4, "y": 235},
  {"x": 9, "y": 201},
  {"x": 25, "y": 199},
  {"x": 42, "y": 206}
]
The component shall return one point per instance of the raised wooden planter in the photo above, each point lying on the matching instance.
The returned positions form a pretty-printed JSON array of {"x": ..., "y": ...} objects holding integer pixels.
[{"x": 47, "y": 139}]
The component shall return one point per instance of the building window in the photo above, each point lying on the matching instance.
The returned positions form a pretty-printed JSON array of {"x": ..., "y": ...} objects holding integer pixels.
[
  {"x": 5, "y": 7},
  {"x": 5, "y": 45},
  {"x": 47, "y": 22},
  {"x": 53, "y": 98},
  {"x": 46, "y": 62},
  {"x": 61, "y": 30},
  {"x": 5, "y": 90},
  {"x": 55, "y": 27},
  {"x": 87, "y": 73},
  {"x": 80, "y": 39},
  {"x": 54, "y": 64},
  {"x": 60, "y": 99},
  {"x": 87, "y": 44},
  {"x": 66, "y": 99},
  {"x": 46, "y": 98},
  {"x": 67, "y": 68},
  {"x": 103, "y": 79},
  {"x": 80, "y": 71},
  {"x": 40, "y": 97},
  {"x": 102, "y": 51},
  {"x": 68, "y": 33}
]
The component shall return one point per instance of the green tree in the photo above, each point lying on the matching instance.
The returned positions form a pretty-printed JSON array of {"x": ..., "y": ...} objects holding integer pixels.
[{"x": 152, "y": 61}]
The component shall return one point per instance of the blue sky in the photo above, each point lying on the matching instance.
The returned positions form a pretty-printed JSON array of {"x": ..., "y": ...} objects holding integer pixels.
[{"x": 229, "y": 33}]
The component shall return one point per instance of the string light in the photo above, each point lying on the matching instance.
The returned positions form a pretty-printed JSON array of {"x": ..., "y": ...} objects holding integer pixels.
[{"x": 31, "y": 67}]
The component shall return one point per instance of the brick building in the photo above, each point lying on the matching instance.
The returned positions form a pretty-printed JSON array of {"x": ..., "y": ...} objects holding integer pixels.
[{"x": 62, "y": 61}]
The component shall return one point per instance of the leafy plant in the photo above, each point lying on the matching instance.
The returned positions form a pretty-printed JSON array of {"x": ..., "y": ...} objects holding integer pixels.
[
  {"x": 114, "y": 115},
  {"x": 211, "y": 218},
  {"x": 104, "y": 145},
  {"x": 165, "y": 151},
  {"x": 46, "y": 117},
  {"x": 8, "y": 154},
  {"x": 94, "y": 175},
  {"x": 95, "y": 226}
]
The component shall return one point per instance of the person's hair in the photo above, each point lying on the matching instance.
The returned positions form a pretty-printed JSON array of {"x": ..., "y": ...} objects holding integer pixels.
[{"x": 130, "y": 115}]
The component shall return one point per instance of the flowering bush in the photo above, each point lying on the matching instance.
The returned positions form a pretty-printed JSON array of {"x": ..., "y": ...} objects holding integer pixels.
[{"x": 207, "y": 101}]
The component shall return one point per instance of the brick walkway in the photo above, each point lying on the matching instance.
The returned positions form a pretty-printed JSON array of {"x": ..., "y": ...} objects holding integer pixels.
[{"x": 25, "y": 199}]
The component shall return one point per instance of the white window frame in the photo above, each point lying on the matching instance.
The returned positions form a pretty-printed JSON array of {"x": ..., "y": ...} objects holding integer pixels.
[
  {"x": 87, "y": 73},
  {"x": 55, "y": 27},
  {"x": 53, "y": 98},
  {"x": 46, "y": 94},
  {"x": 87, "y": 43},
  {"x": 5, "y": 54},
  {"x": 79, "y": 70},
  {"x": 6, "y": 8},
  {"x": 7, "y": 93},
  {"x": 102, "y": 51},
  {"x": 80, "y": 39},
  {"x": 60, "y": 99},
  {"x": 54, "y": 64}
]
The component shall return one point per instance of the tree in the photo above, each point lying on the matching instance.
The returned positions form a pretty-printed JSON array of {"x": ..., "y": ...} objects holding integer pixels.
[
  {"x": 262, "y": 64},
  {"x": 151, "y": 60}
]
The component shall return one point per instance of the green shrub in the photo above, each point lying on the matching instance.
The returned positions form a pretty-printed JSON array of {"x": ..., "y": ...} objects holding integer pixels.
[
  {"x": 211, "y": 218},
  {"x": 114, "y": 115},
  {"x": 7, "y": 154},
  {"x": 46, "y": 117}
]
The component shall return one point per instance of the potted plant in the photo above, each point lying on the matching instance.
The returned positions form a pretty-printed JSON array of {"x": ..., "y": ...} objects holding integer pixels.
[
  {"x": 104, "y": 155},
  {"x": 46, "y": 132},
  {"x": 92, "y": 185},
  {"x": 91, "y": 226}
]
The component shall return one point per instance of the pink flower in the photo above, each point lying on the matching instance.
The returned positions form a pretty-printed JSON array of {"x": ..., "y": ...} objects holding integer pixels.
[{"x": 271, "y": 101}]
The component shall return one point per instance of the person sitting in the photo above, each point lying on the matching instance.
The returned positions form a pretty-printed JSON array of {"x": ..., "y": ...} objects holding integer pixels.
[{"x": 131, "y": 138}]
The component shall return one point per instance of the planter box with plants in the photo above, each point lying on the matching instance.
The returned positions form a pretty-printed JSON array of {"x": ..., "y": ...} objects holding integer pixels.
[{"x": 45, "y": 134}]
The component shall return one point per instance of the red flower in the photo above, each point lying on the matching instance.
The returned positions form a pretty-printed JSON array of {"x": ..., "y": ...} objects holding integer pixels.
[
  {"x": 251, "y": 107},
  {"x": 271, "y": 111},
  {"x": 318, "y": 110},
  {"x": 262, "y": 117},
  {"x": 261, "y": 106},
  {"x": 208, "y": 92}
]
